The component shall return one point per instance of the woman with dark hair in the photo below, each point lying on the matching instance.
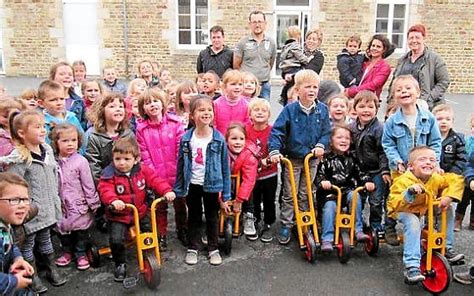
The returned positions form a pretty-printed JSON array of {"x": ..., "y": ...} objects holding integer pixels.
[
  {"x": 375, "y": 70},
  {"x": 425, "y": 65}
]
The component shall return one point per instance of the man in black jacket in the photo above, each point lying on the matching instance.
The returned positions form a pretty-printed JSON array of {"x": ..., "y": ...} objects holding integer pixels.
[{"x": 217, "y": 56}]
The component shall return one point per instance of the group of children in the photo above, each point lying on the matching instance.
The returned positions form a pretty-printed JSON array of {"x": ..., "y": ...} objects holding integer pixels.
[{"x": 184, "y": 141}]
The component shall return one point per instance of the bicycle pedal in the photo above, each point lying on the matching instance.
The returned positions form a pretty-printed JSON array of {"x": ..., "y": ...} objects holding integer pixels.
[
  {"x": 457, "y": 263},
  {"x": 130, "y": 282}
]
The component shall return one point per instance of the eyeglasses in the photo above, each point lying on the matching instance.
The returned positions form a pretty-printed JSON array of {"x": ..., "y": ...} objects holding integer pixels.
[
  {"x": 14, "y": 201},
  {"x": 257, "y": 22}
]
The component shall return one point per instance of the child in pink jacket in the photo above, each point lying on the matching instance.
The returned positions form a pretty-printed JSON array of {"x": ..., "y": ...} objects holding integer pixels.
[
  {"x": 158, "y": 137},
  {"x": 232, "y": 106}
]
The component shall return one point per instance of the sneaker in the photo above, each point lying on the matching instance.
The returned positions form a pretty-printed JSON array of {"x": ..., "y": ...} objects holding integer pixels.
[
  {"x": 163, "y": 241},
  {"x": 391, "y": 237},
  {"x": 452, "y": 256},
  {"x": 183, "y": 236},
  {"x": 64, "y": 260},
  {"x": 120, "y": 272},
  {"x": 361, "y": 237},
  {"x": 326, "y": 246},
  {"x": 215, "y": 258},
  {"x": 464, "y": 278},
  {"x": 82, "y": 263},
  {"x": 266, "y": 234},
  {"x": 249, "y": 224},
  {"x": 191, "y": 257},
  {"x": 284, "y": 235},
  {"x": 413, "y": 276}
]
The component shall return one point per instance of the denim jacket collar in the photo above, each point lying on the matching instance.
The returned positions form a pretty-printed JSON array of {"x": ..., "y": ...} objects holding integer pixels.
[{"x": 400, "y": 119}]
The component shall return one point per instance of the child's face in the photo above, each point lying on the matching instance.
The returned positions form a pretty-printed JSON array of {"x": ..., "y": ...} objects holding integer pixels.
[
  {"x": 153, "y": 108},
  {"x": 146, "y": 69},
  {"x": 424, "y": 164},
  {"x": 35, "y": 133},
  {"x": 233, "y": 89},
  {"x": 92, "y": 91},
  {"x": 405, "y": 93},
  {"x": 124, "y": 162},
  {"x": 445, "y": 121},
  {"x": 200, "y": 84},
  {"x": 64, "y": 76},
  {"x": 79, "y": 73},
  {"x": 53, "y": 101},
  {"x": 307, "y": 91},
  {"x": 186, "y": 98},
  {"x": 31, "y": 103},
  {"x": 365, "y": 111},
  {"x": 260, "y": 115},
  {"x": 165, "y": 76},
  {"x": 352, "y": 47},
  {"x": 14, "y": 214},
  {"x": 341, "y": 141},
  {"x": 67, "y": 142},
  {"x": 209, "y": 84},
  {"x": 236, "y": 141},
  {"x": 114, "y": 112},
  {"x": 140, "y": 87},
  {"x": 110, "y": 75},
  {"x": 4, "y": 117},
  {"x": 203, "y": 115},
  {"x": 338, "y": 110},
  {"x": 135, "y": 110},
  {"x": 249, "y": 87}
]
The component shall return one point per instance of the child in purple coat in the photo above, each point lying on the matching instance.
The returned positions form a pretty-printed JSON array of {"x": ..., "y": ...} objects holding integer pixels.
[{"x": 79, "y": 199}]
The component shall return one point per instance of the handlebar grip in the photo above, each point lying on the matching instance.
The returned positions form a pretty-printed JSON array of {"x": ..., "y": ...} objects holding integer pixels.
[{"x": 413, "y": 191}]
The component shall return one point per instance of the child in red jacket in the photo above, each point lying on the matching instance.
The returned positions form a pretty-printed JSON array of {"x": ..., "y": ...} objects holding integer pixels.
[
  {"x": 125, "y": 181},
  {"x": 243, "y": 161}
]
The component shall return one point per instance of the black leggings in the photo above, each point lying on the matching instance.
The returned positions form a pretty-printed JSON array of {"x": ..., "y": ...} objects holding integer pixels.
[
  {"x": 75, "y": 242},
  {"x": 467, "y": 197},
  {"x": 264, "y": 191}
]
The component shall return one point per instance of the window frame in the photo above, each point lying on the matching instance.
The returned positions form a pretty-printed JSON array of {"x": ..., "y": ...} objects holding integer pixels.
[
  {"x": 193, "y": 45},
  {"x": 391, "y": 7}
]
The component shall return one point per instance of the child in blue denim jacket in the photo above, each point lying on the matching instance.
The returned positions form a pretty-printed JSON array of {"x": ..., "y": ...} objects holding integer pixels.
[
  {"x": 203, "y": 172},
  {"x": 302, "y": 127},
  {"x": 408, "y": 127}
]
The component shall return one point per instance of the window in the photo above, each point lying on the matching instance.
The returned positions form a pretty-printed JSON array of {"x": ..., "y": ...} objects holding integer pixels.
[
  {"x": 193, "y": 22},
  {"x": 292, "y": 2},
  {"x": 391, "y": 20}
]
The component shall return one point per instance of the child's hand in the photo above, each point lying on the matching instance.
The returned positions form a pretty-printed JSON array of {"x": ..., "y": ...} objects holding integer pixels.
[
  {"x": 387, "y": 179},
  {"x": 326, "y": 185},
  {"x": 225, "y": 206},
  {"x": 471, "y": 185},
  {"x": 170, "y": 196},
  {"x": 237, "y": 206},
  {"x": 276, "y": 158},
  {"x": 23, "y": 279},
  {"x": 21, "y": 265},
  {"x": 416, "y": 189},
  {"x": 401, "y": 168},
  {"x": 118, "y": 205},
  {"x": 445, "y": 202},
  {"x": 318, "y": 152},
  {"x": 370, "y": 186}
]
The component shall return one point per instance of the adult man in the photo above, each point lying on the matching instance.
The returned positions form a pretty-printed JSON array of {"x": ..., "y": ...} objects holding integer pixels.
[
  {"x": 217, "y": 56},
  {"x": 256, "y": 53}
]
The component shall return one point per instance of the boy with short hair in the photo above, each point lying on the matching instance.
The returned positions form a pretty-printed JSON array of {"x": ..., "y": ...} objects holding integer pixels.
[
  {"x": 302, "y": 127},
  {"x": 349, "y": 62},
  {"x": 125, "y": 181},
  {"x": 14, "y": 204},
  {"x": 407, "y": 203},
  {"x": 210, "y": 84},
  {"x": 111, "y": 83}
]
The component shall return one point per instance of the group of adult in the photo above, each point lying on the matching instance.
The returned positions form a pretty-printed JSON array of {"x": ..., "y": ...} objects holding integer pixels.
[{"x": 256, "y": 53}]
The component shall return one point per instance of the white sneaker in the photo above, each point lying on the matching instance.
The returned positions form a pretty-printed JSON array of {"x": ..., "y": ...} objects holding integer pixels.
[
  {"x": 215, "y": 258},
  {"x": 191, "y": 257},
  {"x": 249, "y": 224}
]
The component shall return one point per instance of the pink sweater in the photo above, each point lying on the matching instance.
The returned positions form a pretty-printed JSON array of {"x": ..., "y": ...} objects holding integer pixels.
[{"x": 226, "y": 112}]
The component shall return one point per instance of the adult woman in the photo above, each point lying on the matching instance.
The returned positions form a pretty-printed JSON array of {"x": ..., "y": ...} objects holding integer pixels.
[
  {"x": 425, "y": 65},
  {"x": 313, "y": 40},
  {"x": 375, "y": 70}
]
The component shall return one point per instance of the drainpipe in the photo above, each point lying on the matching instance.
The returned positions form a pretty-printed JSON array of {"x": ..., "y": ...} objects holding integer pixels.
[{"x": 125, "y": 34}]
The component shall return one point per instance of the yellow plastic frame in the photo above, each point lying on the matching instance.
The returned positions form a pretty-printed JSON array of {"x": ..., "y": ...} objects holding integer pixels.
[{"x": 223, "y": 215}]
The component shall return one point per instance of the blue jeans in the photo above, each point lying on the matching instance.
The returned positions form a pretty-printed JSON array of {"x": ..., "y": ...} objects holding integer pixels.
[
  {"x": 265, "y": 90},
  {"x": 376, "y": 201},
  {"x": 329, "y": 217}
]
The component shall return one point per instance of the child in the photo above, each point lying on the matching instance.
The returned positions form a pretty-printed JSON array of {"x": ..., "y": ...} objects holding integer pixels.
[
  {"x": 34, "y": 160},
  {"x": 258, "y": 132},
  {"x": 349, "y": 62},
  {"x": 339, "y": 168},
  {"x": 79, "y": 76},
  {"x": 158, "y": 137},
  {"x": 78, "y": 195},
  {"x": 468, "y": 196},
  {"x": 7, "y": 106},
  {"x": 367, "y": 145},
  {"x": 211, "y": 84},
  {"x": 145, "y": 72},
  {"x": 243, "y": 162},
  {"x": 30, "y": 97},
  {"x": 170, "y": 90},
  {"x": 16, "y": 273},
  {"x": 338, "y": 109},
  {"x": 185, "y": 91},
  {"x": 111, "y": 83},
  {"x": 202, "y": 174},
  {"x": 125, "y": 181},
  {"x": 301, "y": 128},
  {"x": 408, "y": 127},
  {"x": 251, "y": 87},
  {"x": 63, "y": 73},
  {"x": 200, "y": 82},
  {"x": 407, "y": 202},
  {"x": 92, "y": 91},
  {"x": 165, "y": 77},
  {"x": 136, "y": 87},
  {"x": 231, "y": 106}
]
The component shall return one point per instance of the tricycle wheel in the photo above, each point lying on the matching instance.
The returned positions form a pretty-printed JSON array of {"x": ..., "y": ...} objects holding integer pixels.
[
  {"x": 310, "y": 246},
  {"x": 228, "y": 229},
  {"x": 92, "y": 253},
  {"x": 151, "y": 271},
  {"x": 372, "y": 244},
  {"x": 344, "y": 247},
  {"x": 439, "y": 277}
]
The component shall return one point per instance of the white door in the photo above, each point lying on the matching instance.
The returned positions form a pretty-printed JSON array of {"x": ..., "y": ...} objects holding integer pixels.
[{"x": 80, "y": 33}]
